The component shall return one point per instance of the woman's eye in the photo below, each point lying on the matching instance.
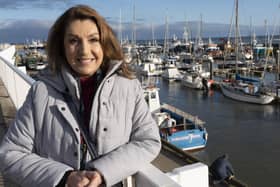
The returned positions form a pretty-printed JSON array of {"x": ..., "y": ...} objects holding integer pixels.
[
  {"x": 73, "y": 41},
  {"x": 93, "y": 40}
]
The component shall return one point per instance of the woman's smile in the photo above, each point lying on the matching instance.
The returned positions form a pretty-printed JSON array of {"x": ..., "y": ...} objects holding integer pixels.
[{"x": 85, "y": 61}]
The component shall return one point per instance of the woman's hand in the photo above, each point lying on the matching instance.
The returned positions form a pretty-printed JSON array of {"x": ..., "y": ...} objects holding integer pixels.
[
  {"x": 95, "y": 178},
  {"x": 84, "y": 179}
]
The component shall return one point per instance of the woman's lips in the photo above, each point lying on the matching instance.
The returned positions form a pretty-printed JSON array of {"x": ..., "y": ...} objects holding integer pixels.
[{"x": 86, "y": 60}]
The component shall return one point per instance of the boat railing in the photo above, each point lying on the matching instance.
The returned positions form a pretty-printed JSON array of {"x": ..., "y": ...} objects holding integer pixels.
[{"x": 187, "y": 116}]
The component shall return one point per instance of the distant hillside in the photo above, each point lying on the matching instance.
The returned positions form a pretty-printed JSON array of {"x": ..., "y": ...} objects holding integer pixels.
[
  {"x": 207, "y": 30},
  {"x": 20, "y": 31}
]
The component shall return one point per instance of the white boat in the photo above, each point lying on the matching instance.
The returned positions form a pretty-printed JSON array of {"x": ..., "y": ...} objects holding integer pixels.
[
  {"x": 245, "y": 92},
  {"x": 151, "y": 57},
  {"x": 151, "y": 64},
  {"x": 170, "y": 62},
  {"x": 192, "y": 80},
  {"x": 35, "y": 44},
  {"x": 196, "y": 81},
  {"x": 149, "y": 69},
  {"x": 172, "y": 74},
  {"x": 200, "y": 69}
]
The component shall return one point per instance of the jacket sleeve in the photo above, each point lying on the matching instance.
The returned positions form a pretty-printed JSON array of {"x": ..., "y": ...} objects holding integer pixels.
[
  {"x": 143, "y": 147},
  {"x": 18, "y": 159}
]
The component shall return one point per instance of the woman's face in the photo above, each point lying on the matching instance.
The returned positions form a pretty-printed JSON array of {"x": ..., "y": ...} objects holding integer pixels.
[{"x": 82, "y": 47}]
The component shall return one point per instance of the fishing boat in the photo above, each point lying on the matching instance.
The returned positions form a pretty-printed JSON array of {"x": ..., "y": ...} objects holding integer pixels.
[{"x": 177, "y": 127}]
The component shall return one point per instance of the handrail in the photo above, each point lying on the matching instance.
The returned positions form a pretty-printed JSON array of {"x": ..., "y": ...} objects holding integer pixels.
[
  {"x": 27, "y": 78},
  {"x": 16, "y": 82}
]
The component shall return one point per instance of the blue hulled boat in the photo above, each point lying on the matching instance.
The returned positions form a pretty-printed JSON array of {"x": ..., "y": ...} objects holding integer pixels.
[{"x": 177, "y": 127}]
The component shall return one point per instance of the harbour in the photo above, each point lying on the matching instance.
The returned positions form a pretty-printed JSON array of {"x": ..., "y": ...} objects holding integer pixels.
[
  {"x": 218, "y": 99},
  {"x": 18, "y": 84},
  {"x": 248, "y": 133}
]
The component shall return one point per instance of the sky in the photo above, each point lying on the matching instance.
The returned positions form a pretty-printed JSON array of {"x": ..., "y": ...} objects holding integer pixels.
[
  {"x": 13, "y": 13},
  {"x": 149, "y": 11}
]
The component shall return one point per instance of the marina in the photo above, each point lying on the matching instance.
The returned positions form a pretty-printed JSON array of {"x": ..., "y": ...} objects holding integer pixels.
[
  {"x": 216, "y": 100},
  {"x": 18, "y": 83},
  {"x": 248, "y": 133}
]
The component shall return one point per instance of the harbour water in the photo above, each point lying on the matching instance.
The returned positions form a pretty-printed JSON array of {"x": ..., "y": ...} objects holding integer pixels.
[{"x": 248, "y": 133}]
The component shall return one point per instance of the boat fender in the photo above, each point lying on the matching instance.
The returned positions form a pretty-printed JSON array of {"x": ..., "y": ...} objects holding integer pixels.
[{"x": 221, "y": 169}]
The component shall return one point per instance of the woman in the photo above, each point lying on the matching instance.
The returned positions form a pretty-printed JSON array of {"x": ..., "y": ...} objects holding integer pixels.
[{"x": 85, "y": 121}]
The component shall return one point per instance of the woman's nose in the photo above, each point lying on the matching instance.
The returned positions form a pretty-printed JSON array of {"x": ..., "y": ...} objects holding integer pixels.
[{"x": 84, "y": 47}]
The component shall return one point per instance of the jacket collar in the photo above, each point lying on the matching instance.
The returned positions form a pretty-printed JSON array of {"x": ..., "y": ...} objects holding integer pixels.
[{"x": 67, "y": 83}]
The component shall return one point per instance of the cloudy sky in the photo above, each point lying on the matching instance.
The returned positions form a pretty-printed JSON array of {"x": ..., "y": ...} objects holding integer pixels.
[{"x": 26, "y": 19}]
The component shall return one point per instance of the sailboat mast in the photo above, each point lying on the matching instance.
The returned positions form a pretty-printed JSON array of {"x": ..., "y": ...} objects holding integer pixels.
[
  {"x": 134, "y": 26},
  {"x": 236, "y": 36},
  {"x": 166, "y": 37},
  {"x": 251, "y": 33},
  {"x": 120, "y": 28},
  {"x": 153, "y": 36},
  {"x": 200, "y": 30}
]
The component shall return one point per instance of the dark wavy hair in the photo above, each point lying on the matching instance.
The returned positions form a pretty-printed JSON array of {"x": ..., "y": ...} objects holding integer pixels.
[{"x": 109, "y": 42}]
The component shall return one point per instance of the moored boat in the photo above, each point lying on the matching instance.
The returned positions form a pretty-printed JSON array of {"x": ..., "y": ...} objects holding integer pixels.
[
  {"x": 177, "y": 127},
  {"x": 245, "y": 92},
  {"x": 171, "y": 74}
]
